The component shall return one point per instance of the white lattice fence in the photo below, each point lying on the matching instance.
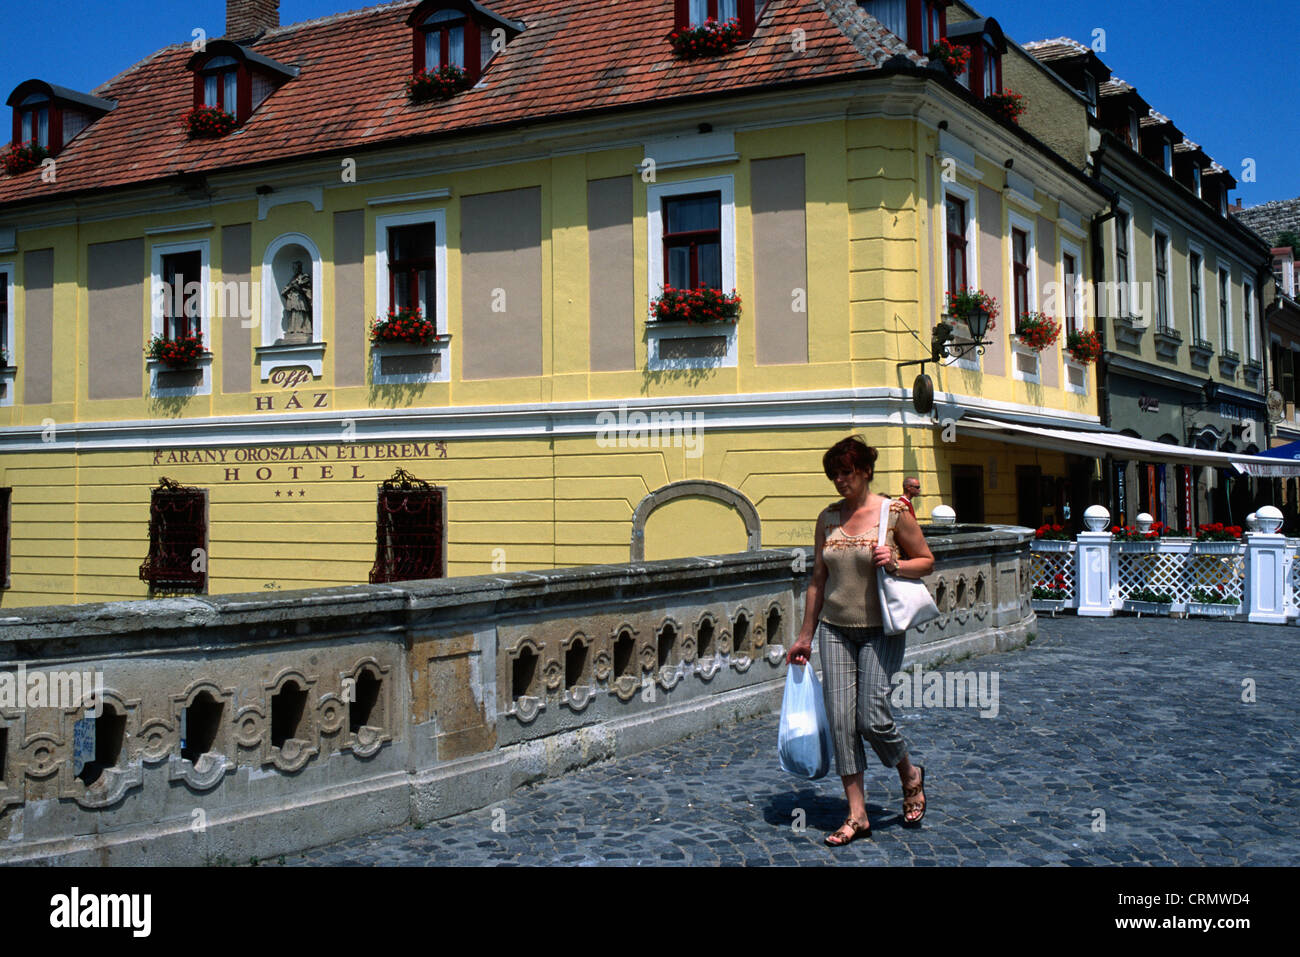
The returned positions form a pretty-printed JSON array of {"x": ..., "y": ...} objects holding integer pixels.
[
  {"x": 1177, "y": 569},
  {"x": 1293, "y": 576},
  {"x": 1044, "y": 566}
]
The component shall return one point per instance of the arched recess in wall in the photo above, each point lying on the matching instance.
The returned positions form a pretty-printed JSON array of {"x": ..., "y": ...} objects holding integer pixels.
[{"x": 714, "y": 515}]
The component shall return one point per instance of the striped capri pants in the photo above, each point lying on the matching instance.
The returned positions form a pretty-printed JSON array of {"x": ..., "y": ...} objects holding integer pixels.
[{"x": 857, "y": 665}]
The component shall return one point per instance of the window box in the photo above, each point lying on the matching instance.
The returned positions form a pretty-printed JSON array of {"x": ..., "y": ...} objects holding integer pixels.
[
  {"x": 21, "y": 157},
  {"x": 1127, "y": 331},
  {"x": 181, "y": 352},
  {"x": 1201, "y": 351},
  {"x": 700, "y": 305},
  {"x": 7, "y": 375},
  {"x": 1047, "y": 605},
  {"x": 1007, "y": 106},
  {"x": 1212, "y": 610},
  {"x": 440, "y": 84},
  {"x": 954, "y": 58},
  {"x": 1036, "y": 331},
  {"x": 167, "y": 381},
  {"x": 1148, "y": 607},
  {"x": 710, "y": 38},
  {"x": 207, "y": 123},
  {"x": 1229, "y": 362},
  {"x": 682, "y": 345},
  {"x": 1215, "y": 548},
  {"x": 1167, "y": 343},
  {"x": 1049, "y": 545},
  {"x": 394, "y": 362},
  {"x": 1084, "y": 346}
]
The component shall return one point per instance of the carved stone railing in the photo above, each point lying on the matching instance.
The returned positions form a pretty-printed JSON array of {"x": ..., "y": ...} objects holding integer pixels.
[{"x": 221, "y": 728}]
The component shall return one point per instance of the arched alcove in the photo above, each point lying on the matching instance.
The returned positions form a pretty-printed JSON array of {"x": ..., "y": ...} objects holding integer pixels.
[
  {"x": 283, "y": 345},
  {"x": 712, "y": 515}
]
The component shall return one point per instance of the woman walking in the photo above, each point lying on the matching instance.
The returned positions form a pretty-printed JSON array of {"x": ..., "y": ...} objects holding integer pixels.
[{"x": 858, "y": 658}]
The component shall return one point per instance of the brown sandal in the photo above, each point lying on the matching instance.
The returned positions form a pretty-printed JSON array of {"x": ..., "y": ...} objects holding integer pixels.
[
  {"x": 859, "y": 830},
  {"x": 910, "y": 805}
]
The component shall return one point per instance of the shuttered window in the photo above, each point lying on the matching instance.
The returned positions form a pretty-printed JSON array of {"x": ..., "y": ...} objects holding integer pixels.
[
  {"x": 409, "y": 531},
  {"x": 178, "y": 539}
]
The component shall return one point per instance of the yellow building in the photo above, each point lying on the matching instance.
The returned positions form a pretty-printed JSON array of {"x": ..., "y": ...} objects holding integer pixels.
[{"x": 818, "y": 167}]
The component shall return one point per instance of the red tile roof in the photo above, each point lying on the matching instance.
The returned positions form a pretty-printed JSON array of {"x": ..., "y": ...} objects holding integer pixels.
[{"x": 574, "y": 56}]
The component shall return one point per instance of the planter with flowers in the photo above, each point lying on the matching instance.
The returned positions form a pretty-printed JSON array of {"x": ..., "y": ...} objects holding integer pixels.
[
  {"x": 1051, "y": 598},
  {"x": 21, "y": 157},
  {"x": 207, "y": 123},
  {"x": 710, "y": 38},
  {"x": 1132, "y": 539},
  {"x": 974, "y": 307},
  {"x": 954, "y": 57},
  {"x": 1037, "y": 331},
  {"x": 1217, "y": 539},
  {"x": 181, "y": 352},
  {"x": 1084, "y": 346},
  {"x": 1146, "y": 601},
  {"x": 699, "y": 305},
  {"x": 440, "y": 84},
  {"x": 1051, "y": 538},
  {"x": 1212, "y": 603},
  {"x": 405, "y": 348},
  {"x": 1007, "y": 105}
]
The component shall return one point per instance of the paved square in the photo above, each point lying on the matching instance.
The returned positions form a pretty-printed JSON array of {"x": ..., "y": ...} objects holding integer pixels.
[{"x": 1142, "y": 720}]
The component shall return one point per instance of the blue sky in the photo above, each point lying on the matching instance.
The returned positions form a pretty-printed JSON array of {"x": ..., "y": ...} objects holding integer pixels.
[{"x": 1221, "y": 73}]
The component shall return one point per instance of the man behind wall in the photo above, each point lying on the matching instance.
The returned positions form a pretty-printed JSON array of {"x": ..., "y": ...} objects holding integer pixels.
[{"x": 911, "y": 489}]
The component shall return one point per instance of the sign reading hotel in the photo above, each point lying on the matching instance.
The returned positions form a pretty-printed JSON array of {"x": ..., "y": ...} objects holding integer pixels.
[{"x": 299, "y": 463}]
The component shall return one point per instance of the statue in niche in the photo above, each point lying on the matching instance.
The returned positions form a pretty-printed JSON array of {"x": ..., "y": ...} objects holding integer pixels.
[{"x": 297, "y": 307}]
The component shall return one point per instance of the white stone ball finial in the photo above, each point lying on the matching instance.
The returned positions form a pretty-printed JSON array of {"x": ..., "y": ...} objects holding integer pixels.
[
  {"x": 1096, "y": 517},
  {"x": 943, "y": 515},
  {"x": 1144, "y": 523},
  {"x": 1270, "y": 519}
]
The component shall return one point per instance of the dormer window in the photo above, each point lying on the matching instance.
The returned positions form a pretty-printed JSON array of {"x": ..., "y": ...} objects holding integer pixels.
[
  {"x": 1168, "y": 154},
  {"x": 50, "y": 116},
  {"x": 221, "y": 84},
  {"x": 987, "y": 44},
  {"x": 456, "y": 33},
  {"x": 1134, "y": 133},
  {"x": 444, "y": 40},
  {"x": 1090, "y": 91},
  {"x": 34, "y": 119},
  {"x": 918, "y": 23},
  {"x": 702, "y": 11},
  {"x": 1196, "y": 180},
  {"x": 235, "y": 80}
]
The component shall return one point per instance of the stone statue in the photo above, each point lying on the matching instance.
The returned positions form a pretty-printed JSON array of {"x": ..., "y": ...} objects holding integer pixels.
[{"x": 297, "y": 307}]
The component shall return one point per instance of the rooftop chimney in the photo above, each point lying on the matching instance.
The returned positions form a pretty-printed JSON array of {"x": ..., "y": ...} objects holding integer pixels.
[{"x": 249, "y": 19}]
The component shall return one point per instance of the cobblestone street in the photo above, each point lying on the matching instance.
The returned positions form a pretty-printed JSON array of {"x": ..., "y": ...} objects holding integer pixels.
[{"x": 1117, "y": 741}]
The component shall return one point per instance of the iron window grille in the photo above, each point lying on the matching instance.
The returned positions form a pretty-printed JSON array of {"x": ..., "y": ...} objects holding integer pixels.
[
  {"x": 409, "y": 530},
  {"x": 178, "y": 539}
]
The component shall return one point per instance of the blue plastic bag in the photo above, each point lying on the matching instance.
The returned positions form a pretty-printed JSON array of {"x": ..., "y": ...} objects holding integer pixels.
[{"x": 804, "y": 741}]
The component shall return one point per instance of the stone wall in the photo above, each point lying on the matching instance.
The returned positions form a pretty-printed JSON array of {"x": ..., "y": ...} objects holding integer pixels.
[{"x": 256, "y": 725}]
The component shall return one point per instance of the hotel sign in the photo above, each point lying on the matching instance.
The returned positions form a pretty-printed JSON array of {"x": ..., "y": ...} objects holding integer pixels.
[{"x": 299, "y": 463}]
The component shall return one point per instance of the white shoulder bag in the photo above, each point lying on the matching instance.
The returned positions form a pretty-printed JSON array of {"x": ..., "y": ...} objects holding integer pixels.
[{"x": 904, "y": 602}]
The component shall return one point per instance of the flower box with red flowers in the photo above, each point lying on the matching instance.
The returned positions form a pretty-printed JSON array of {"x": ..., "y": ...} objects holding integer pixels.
[
  {"x": 1085, "y": 346},
  {"x": 1007, "y": 105},
  {"x": 177, "y": 353},
  {"x": 1132, "y": 539},
  {"x": 954, "y": 58},
  {"x": 440, "y": 84},
  {"x": 708, "y": 39},
  {"x": 699, "y": 305},
  {"x": 405, "y": 325},
  {"x": 1051, "y": 538},
  {"x": 207, "y": 123},
  {"x": 21, "y": 157},
  {"x": 1037, "y": 331},
  {"x": 1217, "y": 539}
]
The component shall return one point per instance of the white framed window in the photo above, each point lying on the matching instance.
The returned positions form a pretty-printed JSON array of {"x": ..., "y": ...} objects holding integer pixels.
[
  {"x": 1122, "y": 298},
  {"x": 1225, "y": 308},
  {"x": 1168, "y": 149},
  {"x": 180, "y": 305},
  {"x": 411, "y": 270},
  {"x": 1160, "y": 249},
  {"x": 1248, "y": 320},
  {"x": 959, "y": 228},
  {"x": 1022, "y": 259},
  {"x": 707, "y": 206},
  {"x": 1196, "y": 292},
  {"x": 1072, "y": 291}
]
